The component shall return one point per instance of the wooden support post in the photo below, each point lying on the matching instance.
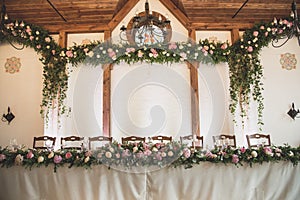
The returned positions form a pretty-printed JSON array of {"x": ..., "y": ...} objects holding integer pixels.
[
  {"x": 62, "y": 41},
  {"x": 194, "y": 98},
  {"x": 235, "y": 35},
  {"x": 106, "y": 99},
  {"x": 193, "y": 66}
]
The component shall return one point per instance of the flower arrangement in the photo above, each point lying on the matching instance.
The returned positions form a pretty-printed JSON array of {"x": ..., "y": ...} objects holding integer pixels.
[
  {"x": 245, "y": 68},
  {"x": 145, "y": 155}
]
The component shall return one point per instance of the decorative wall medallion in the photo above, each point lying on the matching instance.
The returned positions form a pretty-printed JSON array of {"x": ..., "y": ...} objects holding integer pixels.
[
  {"x": 12, "y": 65},
  {"x": 288, "y": 61}
]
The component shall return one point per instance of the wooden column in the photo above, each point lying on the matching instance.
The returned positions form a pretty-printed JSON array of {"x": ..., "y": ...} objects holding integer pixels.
[
  {"x": 193, "y": 66},
  {"x": 235, "y": 35},
  {"x": 62, "y": 41},
  {"x": 106, "y": 93}
]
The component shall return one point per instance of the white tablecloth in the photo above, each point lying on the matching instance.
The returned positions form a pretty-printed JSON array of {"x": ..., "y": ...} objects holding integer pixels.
[{"x": 270, "y": 181}]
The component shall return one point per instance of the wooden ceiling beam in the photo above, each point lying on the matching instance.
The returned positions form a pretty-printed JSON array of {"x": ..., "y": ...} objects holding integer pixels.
[
  {"x": 122, "y": 13},
  {"x": 180, "y": 16},
  {"x": 220, "y": 26},
  {"x": 77, "y": 28}
]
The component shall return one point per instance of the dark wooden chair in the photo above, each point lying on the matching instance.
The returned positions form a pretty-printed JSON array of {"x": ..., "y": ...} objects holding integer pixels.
[
  {"x": 192, "y": 141},
  {"x": 133, "y": 139},
  {"x": 72, "y": 142},
  {"x": 224, "y": 140},
  {"x": 161, "y": 138},
  {"x": 257, "y": 139},
  {"x": 43, "y": 142},
  {"x": 99, "y": 140}
]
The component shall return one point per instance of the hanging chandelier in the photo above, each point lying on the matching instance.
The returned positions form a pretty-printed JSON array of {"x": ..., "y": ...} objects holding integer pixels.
[
  {"x": 295, "y": 29},
  {"x": 4, "y": 26},
  {"x": 146, "y": 28}
]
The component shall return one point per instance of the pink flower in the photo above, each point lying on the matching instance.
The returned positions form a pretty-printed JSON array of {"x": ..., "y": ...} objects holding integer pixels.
[
  {"x": 243, "y": 150},
  {"x": 2, "y": 157},
  {"x": 262, "y": 28},
  {"x": 69, "y": 54},
  {"x": 112, "y": 54},
  {"x": 255, "y": 33},
  {"x": 147, "y": 152},
  {"x": 99, "y": 155},
  {"x": 128, "y": 50},
  {"x": 68, "y": 155},
  {"x": 118, "y": 155},
  {"x": 85, "y": 50},
  {"x": 140, "y": 54},
  {"x": 38, "y": 46},
  {"x": 57, "y": 159},
  {"x": 29, "y": 155},
  {"x": 224, "y": 46},
  {"x": 250, "y": 49},
  {"x": 206, "y": 48},
  {"x": 235, "y": 158},
  {"x": 211, "y": 51},
  {"x": 53, "y": 52},
  {"x": 139, "y": 154},
  {"x": 268, "y": 151},
  {"x": 47, "y": 39},
  {"x": 172, "y": 46},
  {"x": 285, "y": 21},
  {"x": 126, "y": 153},
  {"x": 266, "y": 34},
  {"x": 88, "y": 153},
  {"x": 183, "y": 55},
  {"x": 154, "y": 52},
  {"x": 31, "y": 38},
  {"x": 280, "y": 31},
  {"x": 28, "y": 30},
  {"x": 186, "y": 152},
  {"x": 158, "y": 156},
  {"x": 158, "y": 145}
]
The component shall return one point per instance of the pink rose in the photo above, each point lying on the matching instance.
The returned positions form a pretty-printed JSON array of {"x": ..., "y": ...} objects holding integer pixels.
[
  {"x": 224, "y": 46},
  {"x": 31, "y": 38},
  {"x": 2, "y": 157},
  {"x": 29, "y": 155},
  {"x": 250, "y": 49},
  {"x": 206, "y": 48},
  {"x": 140, "y": 54},
  {"x": 53, "y": 52},
  {"x": 243, "y": 150},
  {"x": 69, "y": 54},
  {"x": 57, "y": 159},
  {"x": 172, "y": 46},
  {"x": 268, "y": 151},
  {"x": 266, "y": 34},
  {"x": 38, "y": 46},
  {"x": 147, "y": 152},
  {"x": 112, "y": 54},
  {"x": 68, "y": 155},
  {"x": 88, "y": 153},
  {"x": 255, "y": 33},
  {"x": 158, "y": 156},
  {"x": 186, "y": 152},
  {"x": 235, "y": 158},
  {"x": 262, "y": 28}
]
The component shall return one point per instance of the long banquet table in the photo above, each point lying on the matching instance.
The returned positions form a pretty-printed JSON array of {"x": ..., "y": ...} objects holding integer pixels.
[{"x": 207, "y": 181}]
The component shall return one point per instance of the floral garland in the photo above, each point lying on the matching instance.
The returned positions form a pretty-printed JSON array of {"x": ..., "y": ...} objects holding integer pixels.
[
  {"x": 245, "y": 69},
  {"x": 122, "y": 156},
  {"x": 243, "y": 58}
]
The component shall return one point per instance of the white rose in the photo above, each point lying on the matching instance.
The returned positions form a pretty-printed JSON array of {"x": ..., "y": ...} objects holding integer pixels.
[
  {"x": 86, "y": 159},
  {"x": 291, "y": 153},
  {"x": 163, "y": 154},
  {"x": 170, "y": 153},
  {"x": 254, "y": 154},
  {"x": 40, "y": 159},
  {"x": 154, "y": 149},
  {"x": 108, "y": 154},
  {"x": 51, "y": 155},
  {"x": 135, "y": 149}
]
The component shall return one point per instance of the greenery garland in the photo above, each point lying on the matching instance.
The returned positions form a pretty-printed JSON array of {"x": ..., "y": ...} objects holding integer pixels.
[
  {"x": 243, "y": 59},
  {"x": 127, "y": 156}
]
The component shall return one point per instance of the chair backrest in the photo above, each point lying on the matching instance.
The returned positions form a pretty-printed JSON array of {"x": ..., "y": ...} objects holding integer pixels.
[
  {"x": 257, "y": 139},
  {"x": 72, "y": 142},
  {"x": 133, "y": 139},
  {"x": 162, "y": 138},
  {"x": 99, "y": 140},
  {"x": 224, "y": 140},
  {"x": 43, "y": 142},
  {"x": 192, "y": 141}
]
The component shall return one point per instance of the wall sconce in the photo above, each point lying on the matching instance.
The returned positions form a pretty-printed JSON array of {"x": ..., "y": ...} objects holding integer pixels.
[
  {"x": 293, "y": 112},
  {"x": 8, "y": 117}
]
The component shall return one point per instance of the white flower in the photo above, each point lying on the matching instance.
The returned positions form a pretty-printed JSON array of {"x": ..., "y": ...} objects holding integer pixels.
[
  {"x": 268, "y": 29},
  {"x": 163, "y": 154},
  {"x": 254, "y": 154},
  {"x": 111, "y": 149},
  {"x": 90, "y": 54},
  {"x": 51, "y": 155},
  {"x": 40, "y": 159},
  {"x": 154, "y": 149},
  {"x": 150, "y": 55},
  {"x": 101, "y": 48},
  {"x": 108, "y": 154},
  {"x": 86, "y": 159},
  {"x": 291, "y": 153},
  {"x": 135, "y": 149},
  {"x": 104, "y": 52},
  {"x": 167, "y": 54},
  {"x": 37, "y": 32},
  {"x": 170, "y": 153},
  {"x": 97, "y": 56},
  {"x": 180, "y": 47}
]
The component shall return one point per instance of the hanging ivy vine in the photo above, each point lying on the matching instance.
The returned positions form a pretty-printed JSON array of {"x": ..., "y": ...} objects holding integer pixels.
[{"x": 243, "y": 58}]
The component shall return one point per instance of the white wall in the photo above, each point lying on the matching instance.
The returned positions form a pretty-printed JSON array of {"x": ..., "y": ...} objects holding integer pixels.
[
  {"x": 22, "y": 91},
  {"x": 282, "y": 87}
]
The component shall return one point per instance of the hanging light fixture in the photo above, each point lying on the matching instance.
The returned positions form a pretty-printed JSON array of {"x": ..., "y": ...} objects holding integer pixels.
[
  {"x": 295, "y": 29},
  {"x": 146, "y": 28},
  {"x": 4, "y": 26}
]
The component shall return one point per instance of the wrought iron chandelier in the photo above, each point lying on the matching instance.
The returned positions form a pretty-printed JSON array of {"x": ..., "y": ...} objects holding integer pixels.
[
  {"x": 146, "y": 28},
  {"x": 4, "y": 26},
  {"x": 295, "y": 30}
]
